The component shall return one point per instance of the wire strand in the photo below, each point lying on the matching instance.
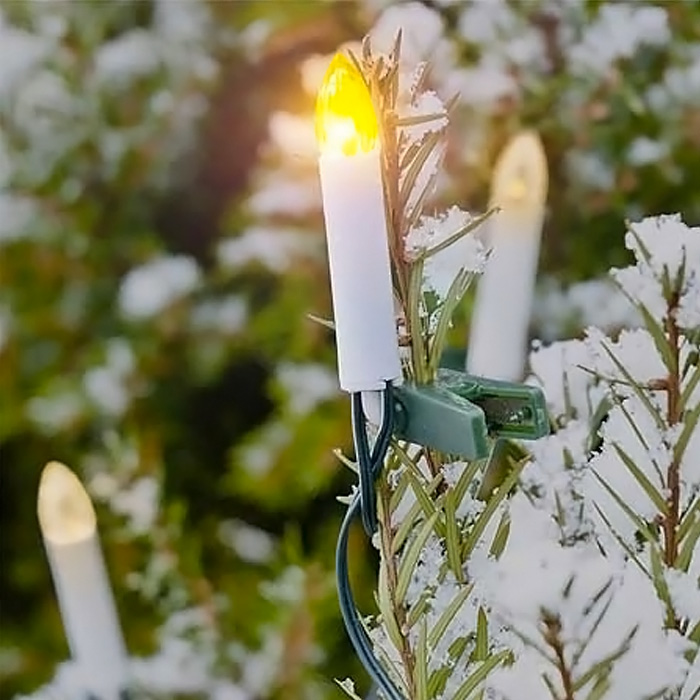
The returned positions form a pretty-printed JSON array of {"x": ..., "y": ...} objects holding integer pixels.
[
  {"x": 371, "y": 461},
  {"x": 356, "y": 632},
  {"x": 364, "y": 504},
  {"x": 365, "y": 463}
]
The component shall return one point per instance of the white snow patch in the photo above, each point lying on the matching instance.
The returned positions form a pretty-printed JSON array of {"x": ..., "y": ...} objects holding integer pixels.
[
  {"x": 149, "y": 289},
  {"x": 274, "y": 248}
]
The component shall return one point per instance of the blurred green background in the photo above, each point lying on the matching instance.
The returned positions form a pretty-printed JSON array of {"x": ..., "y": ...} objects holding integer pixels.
[{"x": 161, "y": 244}]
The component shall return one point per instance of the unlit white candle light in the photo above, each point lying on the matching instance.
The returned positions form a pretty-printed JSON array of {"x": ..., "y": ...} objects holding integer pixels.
[
  {"x": 69, "y": 529},
  {"x": 499, "y": 325},
  {"x": 356, "y": 231}
]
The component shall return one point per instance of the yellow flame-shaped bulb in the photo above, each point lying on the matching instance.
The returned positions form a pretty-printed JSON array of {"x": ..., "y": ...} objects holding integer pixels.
[
  {"x": 346, "y": 122},
  {"x": 65, "y": 511}
]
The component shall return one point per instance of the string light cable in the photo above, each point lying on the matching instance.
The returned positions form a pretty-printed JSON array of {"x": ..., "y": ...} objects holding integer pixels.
[
  {"x": 370, "y": 463},
  {"x": 367, "y": 460}
]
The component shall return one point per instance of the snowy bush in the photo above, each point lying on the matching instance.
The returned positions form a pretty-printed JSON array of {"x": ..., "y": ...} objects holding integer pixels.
[
  {"x": 153, "y": 327},
  {"x": 576, "y": 574},
  {"x": 606, "y": 527},
  {"x": 113, "y": 331}
]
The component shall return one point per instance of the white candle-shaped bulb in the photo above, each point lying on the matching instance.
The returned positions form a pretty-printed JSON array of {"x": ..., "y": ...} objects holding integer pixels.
[
  {"x": 69, "y": 529},
  {"x": 65, "y": 511},
  {"x": 356, "y": 232},
  {"x": 499, "y": 325}
]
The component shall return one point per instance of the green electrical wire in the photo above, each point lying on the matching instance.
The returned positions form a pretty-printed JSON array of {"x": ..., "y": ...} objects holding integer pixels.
[
  {"x": 370, "y": 465},
  {"x": 353, "y": 625},
  {"x": 368, "y": 497}
]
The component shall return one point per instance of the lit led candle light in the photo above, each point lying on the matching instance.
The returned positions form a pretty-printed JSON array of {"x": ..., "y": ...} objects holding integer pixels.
[
  {"x": 499, "y": 324},
  {"x": 356, "y": 232},
  {"x": 69, "y": 529}
]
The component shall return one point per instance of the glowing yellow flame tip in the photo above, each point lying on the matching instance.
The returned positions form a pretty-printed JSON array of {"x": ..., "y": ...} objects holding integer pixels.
[
  {"x": 65, "y": 511},
  {"x": 346, "y": 122}
]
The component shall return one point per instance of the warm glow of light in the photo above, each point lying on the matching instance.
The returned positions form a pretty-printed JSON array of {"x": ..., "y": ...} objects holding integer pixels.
[
  {"x": 346, "y": 122},
  {"x": 65, "y": 511},
  {"x": 517, "y": 190},
  {"x": 520, "y": 175}
]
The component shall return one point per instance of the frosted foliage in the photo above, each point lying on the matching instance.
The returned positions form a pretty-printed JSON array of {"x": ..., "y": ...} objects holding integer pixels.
[
  {"x": 139, "y": 504},
  {"x": 151, "y": 288},
  {"x": 55, "y": 93},
  {"x": 672, "y": 249},
  {"x": 684, "y": 591},
  {"x": 617, "y": 33},
  {"x": 682, "y": 83},
  {"x": 183, "y": 661},
  {"x": 16, "y": 216},
  {"x": 273, "y": 248},
  {"x": 66, "y": 684},
  {"x": 690, "y": 465},
  {"x": 500, "y": 55},
  {"x": 44, "y": 99},
  {"x": 422, "y": 34},
  {"x": 689, "y": 307},
  {"x": 468, "y": 253},
  {"x": 487, "y": 83},
  {"x": 488, "y": 24},
  {"x": 227, "y": 315},
  {"x": 573, "y": 584},
  {"x": 259, "y": 457},
  {"x": 427, "y": 571},
  {"x": 132, "y": 55},
  {"x": 530, "y": 524},
  {"x": 182, "y": 21},
  {"x": 507, "y": 42},
  {"x": 635, "y": 352},
  {"x": 589, "y": 492},
  {"x": 597, "y": 303},
  {"x": 591, "y": 169},
  {"x": 483, "y": 21},
  {"x": 646, "y": 151},
  {"x": 250, "y": 543},
  {"x": 553, "y": 481},
  {"x": 57, "y": 408},
  {"x": 559, "y": 369},
  {"x": 646, "y": 448},
  {"x": 425, "y": 180},
  {"x": 181, "y": 665},
  {"x": 20, "y": 52},
  {"x": 106, "y": 385},
  {"x": 426, "y": 103},
  {"x": 564, "y": 582},
  {"x": 548, "y": 568},
  {"x": 306, "y": 385}
]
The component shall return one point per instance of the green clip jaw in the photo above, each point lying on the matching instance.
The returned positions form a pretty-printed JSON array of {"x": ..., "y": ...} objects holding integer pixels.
[
  {"x": 431, "y": 415},
  {"x": 517, "y": 411},
  {"x": 459, "y": 412}
]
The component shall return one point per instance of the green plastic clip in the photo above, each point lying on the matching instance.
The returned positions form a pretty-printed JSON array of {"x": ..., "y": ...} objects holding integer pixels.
[
  {"x": 459, "y": 412},
  {"x": 517, "y": 411},
  {"x": 429, "y": 414}
]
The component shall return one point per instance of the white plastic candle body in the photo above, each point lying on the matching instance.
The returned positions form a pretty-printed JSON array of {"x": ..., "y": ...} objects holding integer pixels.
[
  {"x": 80, "y": 578},
  {"x": 499, "y": 325},
  {"x": 504, "y": 304},
  {"x": 360, "y": 271}
]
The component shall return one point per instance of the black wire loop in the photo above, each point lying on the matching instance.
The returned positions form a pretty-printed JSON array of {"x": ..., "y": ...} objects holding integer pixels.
[
  {"x": 370, "y": 461},
  {"x": 364, "y": 504}
]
